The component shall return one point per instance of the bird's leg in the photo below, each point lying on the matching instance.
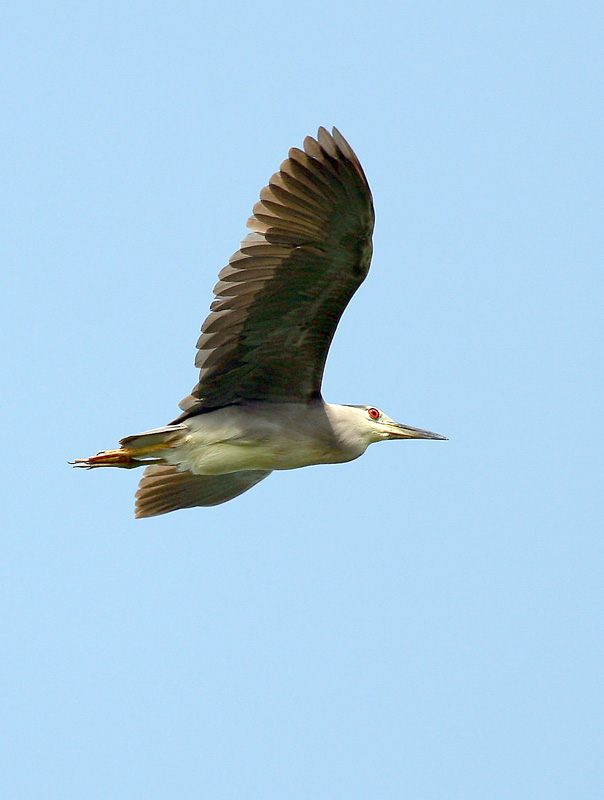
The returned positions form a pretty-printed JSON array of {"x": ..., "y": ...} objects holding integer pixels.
[
  {"x": 123, "y": 458},
  {"x": 106, "y": 458}
]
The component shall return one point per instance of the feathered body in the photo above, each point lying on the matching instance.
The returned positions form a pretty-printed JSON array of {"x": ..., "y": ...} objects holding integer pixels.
[{"x": 257, "y": 406}]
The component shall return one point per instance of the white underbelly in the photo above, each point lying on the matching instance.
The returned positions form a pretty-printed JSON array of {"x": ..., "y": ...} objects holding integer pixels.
[{"x": 203, "y": 458}]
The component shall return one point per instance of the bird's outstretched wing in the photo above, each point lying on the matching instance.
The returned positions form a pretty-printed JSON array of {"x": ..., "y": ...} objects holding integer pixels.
[
  {"x": 280, "y": 298},
  {"x": 163, "y": 489}
]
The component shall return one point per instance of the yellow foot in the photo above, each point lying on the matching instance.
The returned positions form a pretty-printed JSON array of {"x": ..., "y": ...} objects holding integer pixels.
[{"x": 107, "y": 458}]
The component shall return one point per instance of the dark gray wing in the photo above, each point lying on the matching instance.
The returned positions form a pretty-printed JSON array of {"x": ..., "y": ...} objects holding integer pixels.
[
  {"x": 163, "y": 489},
  {"x": 280, "y": 298}
]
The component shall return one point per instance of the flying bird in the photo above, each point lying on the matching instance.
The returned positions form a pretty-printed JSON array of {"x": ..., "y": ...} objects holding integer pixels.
[{"x": 257, "y": 406}]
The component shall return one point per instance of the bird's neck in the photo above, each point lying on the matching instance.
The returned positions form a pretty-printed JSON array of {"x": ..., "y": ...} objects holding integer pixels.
[{"x": 348, "y": 440}]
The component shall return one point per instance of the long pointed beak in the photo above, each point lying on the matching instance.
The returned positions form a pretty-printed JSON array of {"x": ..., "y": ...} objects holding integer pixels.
[{"x": 398, "y": 431}]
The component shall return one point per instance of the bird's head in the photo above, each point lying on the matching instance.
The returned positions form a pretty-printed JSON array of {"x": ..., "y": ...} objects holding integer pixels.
[
  {"x": 356, "y": 427},
  {"x": 374, "y": 426}
]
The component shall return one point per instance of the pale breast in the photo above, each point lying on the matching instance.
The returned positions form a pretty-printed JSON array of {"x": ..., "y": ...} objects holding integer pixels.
[{"x": 195, "y": 454}]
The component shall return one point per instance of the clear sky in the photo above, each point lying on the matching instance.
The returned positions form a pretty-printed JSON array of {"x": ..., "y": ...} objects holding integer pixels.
[{"x": 424, "y": 623}]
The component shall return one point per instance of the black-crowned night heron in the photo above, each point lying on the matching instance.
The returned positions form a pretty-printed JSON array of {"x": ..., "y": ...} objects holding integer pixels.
[{"x": 262, "y": 350}]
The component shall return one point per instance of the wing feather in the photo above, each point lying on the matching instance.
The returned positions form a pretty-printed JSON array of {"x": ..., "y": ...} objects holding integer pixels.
[
  {"x": 279, "y": 299},
  {"x": 163, "y": 489}
]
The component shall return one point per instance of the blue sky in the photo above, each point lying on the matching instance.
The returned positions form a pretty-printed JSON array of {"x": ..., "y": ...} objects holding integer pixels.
[{"x": 423, "y": 623}]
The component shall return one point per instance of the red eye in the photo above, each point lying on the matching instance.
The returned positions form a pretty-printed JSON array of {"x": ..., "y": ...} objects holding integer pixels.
[{"x": 373, "y": 413}]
